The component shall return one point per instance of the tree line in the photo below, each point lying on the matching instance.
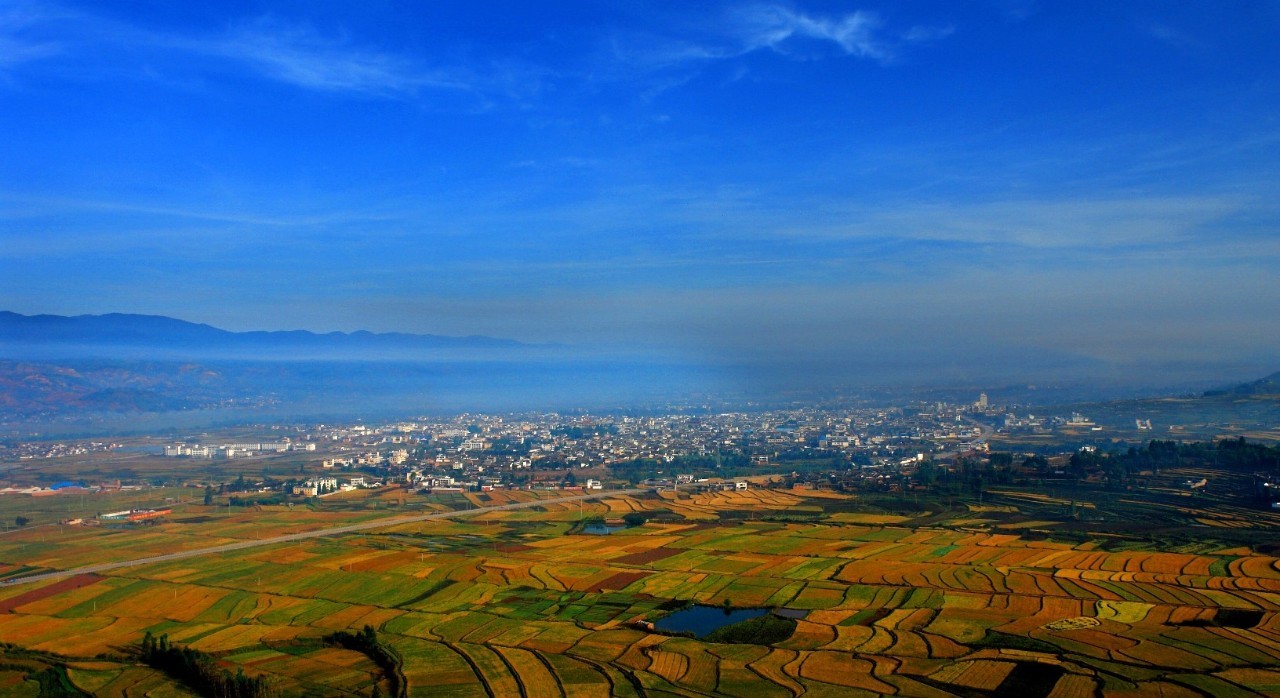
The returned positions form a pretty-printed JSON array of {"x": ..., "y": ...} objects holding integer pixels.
[
  {"x": 388, "y": 660},
  {"x": 200, "y": 670},
  {"x": 1114, "y": 469}
]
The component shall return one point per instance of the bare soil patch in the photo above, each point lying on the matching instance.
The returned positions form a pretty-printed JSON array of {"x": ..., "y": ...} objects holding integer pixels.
[
  {"x": 644, "y": 557},
  {"x": 80, "y": 580}
]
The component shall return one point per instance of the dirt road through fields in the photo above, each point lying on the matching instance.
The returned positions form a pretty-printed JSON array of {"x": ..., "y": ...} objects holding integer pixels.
[{"x": 318, "y": 533}]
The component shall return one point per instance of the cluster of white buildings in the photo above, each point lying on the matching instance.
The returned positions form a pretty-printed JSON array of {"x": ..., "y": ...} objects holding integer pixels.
[
  {"x": 320, "y": 486},
  {"x": 365, "y": 458},
  {"x": 234, "y": 450},
  {"x": 444, "y": 483}
]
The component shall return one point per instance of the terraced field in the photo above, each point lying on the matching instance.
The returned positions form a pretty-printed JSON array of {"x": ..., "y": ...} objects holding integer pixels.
[{"x": 515, "y": 603}]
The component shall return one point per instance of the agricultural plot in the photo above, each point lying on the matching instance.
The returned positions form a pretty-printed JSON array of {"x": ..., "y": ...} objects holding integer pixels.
[
  {"x": 515, "y": 604},
  {"x": 48, "y": 511}
]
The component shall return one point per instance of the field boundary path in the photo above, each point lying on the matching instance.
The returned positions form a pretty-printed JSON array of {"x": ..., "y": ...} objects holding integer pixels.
[{"x": 318, "y": 533}]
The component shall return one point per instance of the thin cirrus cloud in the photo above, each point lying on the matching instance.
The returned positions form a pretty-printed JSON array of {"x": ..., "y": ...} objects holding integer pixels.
[
  {"x": 1065, "y": 223},
  {"x": 300, "y": 56},
  {"x": 1172, "y": 36},
  {"x": 19, "y": 40},
  {"x": 861, "y": 33},
  {"x": 296, "y": 55},
  {"x": 772, "y": 26},
  {"x": 303, "y": 58},
  {"x": 14, "y": 52},
  {"x": 782, "y": 30}
]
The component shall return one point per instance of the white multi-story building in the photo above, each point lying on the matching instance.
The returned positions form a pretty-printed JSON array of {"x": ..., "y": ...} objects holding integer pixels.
[{"x": 178, "y": 450}]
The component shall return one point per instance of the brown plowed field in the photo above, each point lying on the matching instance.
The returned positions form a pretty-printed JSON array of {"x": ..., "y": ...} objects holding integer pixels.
[
  {"x": 620, "y": 580},
  {"x": 644, "y": 557},
  {"x": 80, "y": 580}
]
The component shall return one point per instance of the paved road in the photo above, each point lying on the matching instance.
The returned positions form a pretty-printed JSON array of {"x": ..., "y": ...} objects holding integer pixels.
[
  {"x": 987, "y": 431},
  {"x": 318, "y": 533},
  {"x": 986, "y": 434}
]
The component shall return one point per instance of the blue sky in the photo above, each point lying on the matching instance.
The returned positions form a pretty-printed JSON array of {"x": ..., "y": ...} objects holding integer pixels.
[{"x": 918, "y": 181}]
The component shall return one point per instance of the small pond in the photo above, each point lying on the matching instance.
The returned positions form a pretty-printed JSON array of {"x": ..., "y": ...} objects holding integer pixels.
[
  {"x": 701, "y": 620},
  {"x": 600, "y": 529}
]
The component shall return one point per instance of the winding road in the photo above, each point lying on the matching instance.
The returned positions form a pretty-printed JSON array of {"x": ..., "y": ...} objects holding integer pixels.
[
  {"x": 986, "y": 430},
  {"x": 318, "y": 533}
]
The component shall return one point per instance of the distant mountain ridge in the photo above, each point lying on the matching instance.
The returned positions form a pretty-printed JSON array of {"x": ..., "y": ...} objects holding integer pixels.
[
  {"x": 129, "y": 330},
  {"x": 1269, "y": 385}
]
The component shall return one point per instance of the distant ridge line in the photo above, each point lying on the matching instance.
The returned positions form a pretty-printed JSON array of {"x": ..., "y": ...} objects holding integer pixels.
[
  {"x": 1267, "y": 385},
  {"x": 160, "y": 330}
]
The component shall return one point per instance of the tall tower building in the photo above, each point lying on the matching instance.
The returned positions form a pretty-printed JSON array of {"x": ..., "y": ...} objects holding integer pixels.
[{"x": 982, "y": 401}]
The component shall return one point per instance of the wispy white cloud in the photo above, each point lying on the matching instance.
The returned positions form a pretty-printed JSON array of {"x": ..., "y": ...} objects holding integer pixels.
[
  {"x": 34, "y": 207},
  {"x": 14, "y": 51},
  {"x": 1017, "y": 10},
  {"x": 1172, "y": 36},
  {"x": 301, "y": 57},
  {"x": 779, "y": 28},
  {"x": 1078, "y": 223},
  {"x": 922, "y": 33},
  {"x": 20, "y": 40},
  {"x": 773, "y": 26},
  {"x": 652, "y": 52},
  {"x": 280, "y": 51},
  {"x": 1059, "y": 224}
]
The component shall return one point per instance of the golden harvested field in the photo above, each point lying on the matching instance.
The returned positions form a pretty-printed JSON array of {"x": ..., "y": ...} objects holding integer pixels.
[{"x": 495, "y": 605}]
